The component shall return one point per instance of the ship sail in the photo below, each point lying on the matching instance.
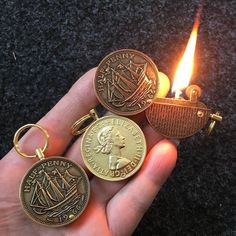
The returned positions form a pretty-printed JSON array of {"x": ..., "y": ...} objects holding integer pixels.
[
  {"x": 51, "y": 193},
  {"x": 122, "y": 88},
  {"x": 125, "y": 80},
  {"x": 52, "y": 190},
  {"x": 64, "y": 182},
  {"x": 138, "y": 72},
  {"x": 70, "y": 178},
  {"x": 40, "y": 198}
]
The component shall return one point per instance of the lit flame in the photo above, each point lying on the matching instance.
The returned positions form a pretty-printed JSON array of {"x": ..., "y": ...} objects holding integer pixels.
[{"x": 185, "y": 67}]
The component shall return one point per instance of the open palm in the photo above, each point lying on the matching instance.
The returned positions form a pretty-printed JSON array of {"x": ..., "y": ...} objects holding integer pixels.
[{"x": 115, "y": 208}]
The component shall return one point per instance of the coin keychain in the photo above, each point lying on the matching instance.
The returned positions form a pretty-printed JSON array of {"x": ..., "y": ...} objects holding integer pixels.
[
  {"x": 55, "y": 191},
  {"x": 126, "y": 82},
  {"x": 113, "y": 147}
]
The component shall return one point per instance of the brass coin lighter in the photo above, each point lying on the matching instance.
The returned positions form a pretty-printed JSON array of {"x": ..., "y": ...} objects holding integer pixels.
[
  {"x": 126, "y": 82},
  {"x": 181, "y": 118},
  {"x": 113, "y": 147},
  {"x": 55, "y": 191}
]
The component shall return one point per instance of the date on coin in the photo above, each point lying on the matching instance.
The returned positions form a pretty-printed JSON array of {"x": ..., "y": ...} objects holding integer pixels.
[
  {"x": 54, "y": 192},
  {"x": 113, "y": 148},
  {"x": 126, "y": 82}
]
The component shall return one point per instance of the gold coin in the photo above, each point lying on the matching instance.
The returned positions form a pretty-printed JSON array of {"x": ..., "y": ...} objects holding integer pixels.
[
  {"x": 113, "y": 148},
  {"x": 54, "y": 192},
  {"x": 126, "y": 82}
]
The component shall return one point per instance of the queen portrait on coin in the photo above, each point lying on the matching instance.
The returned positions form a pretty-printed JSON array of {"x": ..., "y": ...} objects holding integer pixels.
[{"x": 110, "y": 143}]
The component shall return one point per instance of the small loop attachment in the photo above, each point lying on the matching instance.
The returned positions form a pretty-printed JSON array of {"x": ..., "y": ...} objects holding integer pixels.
[
  {"x": 39, "y": 151},
  {"x": 214, "y": 118},
  {"x": 76, "y": 127}
]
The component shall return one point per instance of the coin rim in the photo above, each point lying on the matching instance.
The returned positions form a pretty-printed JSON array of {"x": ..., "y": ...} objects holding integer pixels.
[
  {"x": 130, "y": 173},
  {"x": 21, "y": 192},
  {"x": 126, "y": 113}
]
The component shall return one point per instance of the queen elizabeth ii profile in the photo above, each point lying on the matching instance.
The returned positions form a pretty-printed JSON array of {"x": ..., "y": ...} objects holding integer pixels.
[{"x": 111, "y": 142}]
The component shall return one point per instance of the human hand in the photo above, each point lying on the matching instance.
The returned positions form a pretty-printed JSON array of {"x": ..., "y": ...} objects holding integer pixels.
[{"x": 115, "y": 208}]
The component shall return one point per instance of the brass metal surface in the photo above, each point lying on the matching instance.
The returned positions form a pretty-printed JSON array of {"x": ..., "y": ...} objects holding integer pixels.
[
  {"x": 113, "y": 148},
  {"x": 126, "y": 82},
  {"x": 193, "y": 92},
  {"x": 214, "y": 118},
  {"x": 54, "y": 192},
  {"x": 177, "y": 118}
]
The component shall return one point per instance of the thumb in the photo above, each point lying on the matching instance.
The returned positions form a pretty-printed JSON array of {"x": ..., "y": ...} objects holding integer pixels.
[{"x": 132, "y": 201}]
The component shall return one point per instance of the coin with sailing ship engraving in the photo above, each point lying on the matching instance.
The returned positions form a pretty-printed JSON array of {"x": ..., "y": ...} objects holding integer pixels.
[
  {"x": 55, "y": 191},
  {"x": 126, "y": 82},
  {"x": 113, "y": 148}
]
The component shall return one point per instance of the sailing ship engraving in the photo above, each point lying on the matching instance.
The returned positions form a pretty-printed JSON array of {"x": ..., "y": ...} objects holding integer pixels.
[
  {"x": 128, "y": 84},
  {"x": 55, "y": 193}
]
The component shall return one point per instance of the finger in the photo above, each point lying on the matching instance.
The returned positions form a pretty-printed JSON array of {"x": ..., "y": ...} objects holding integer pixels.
[
  {"x": 140, "y": 119},
  {"x": 74, "y": 154},
  {"x": 132, "y": 201},
  {"x": 76, "y": 103},
  {"x": 152, "y": 137},
  {"x": 104, "y": 189}
]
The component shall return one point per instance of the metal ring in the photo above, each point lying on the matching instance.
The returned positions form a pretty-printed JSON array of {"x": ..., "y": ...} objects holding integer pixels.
[
  {"x": 76, "y": 127},
  {"x": 214, "y": 117},
  {"x": 211, "y": 127},
  {"x": 18, "y": 133}
]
